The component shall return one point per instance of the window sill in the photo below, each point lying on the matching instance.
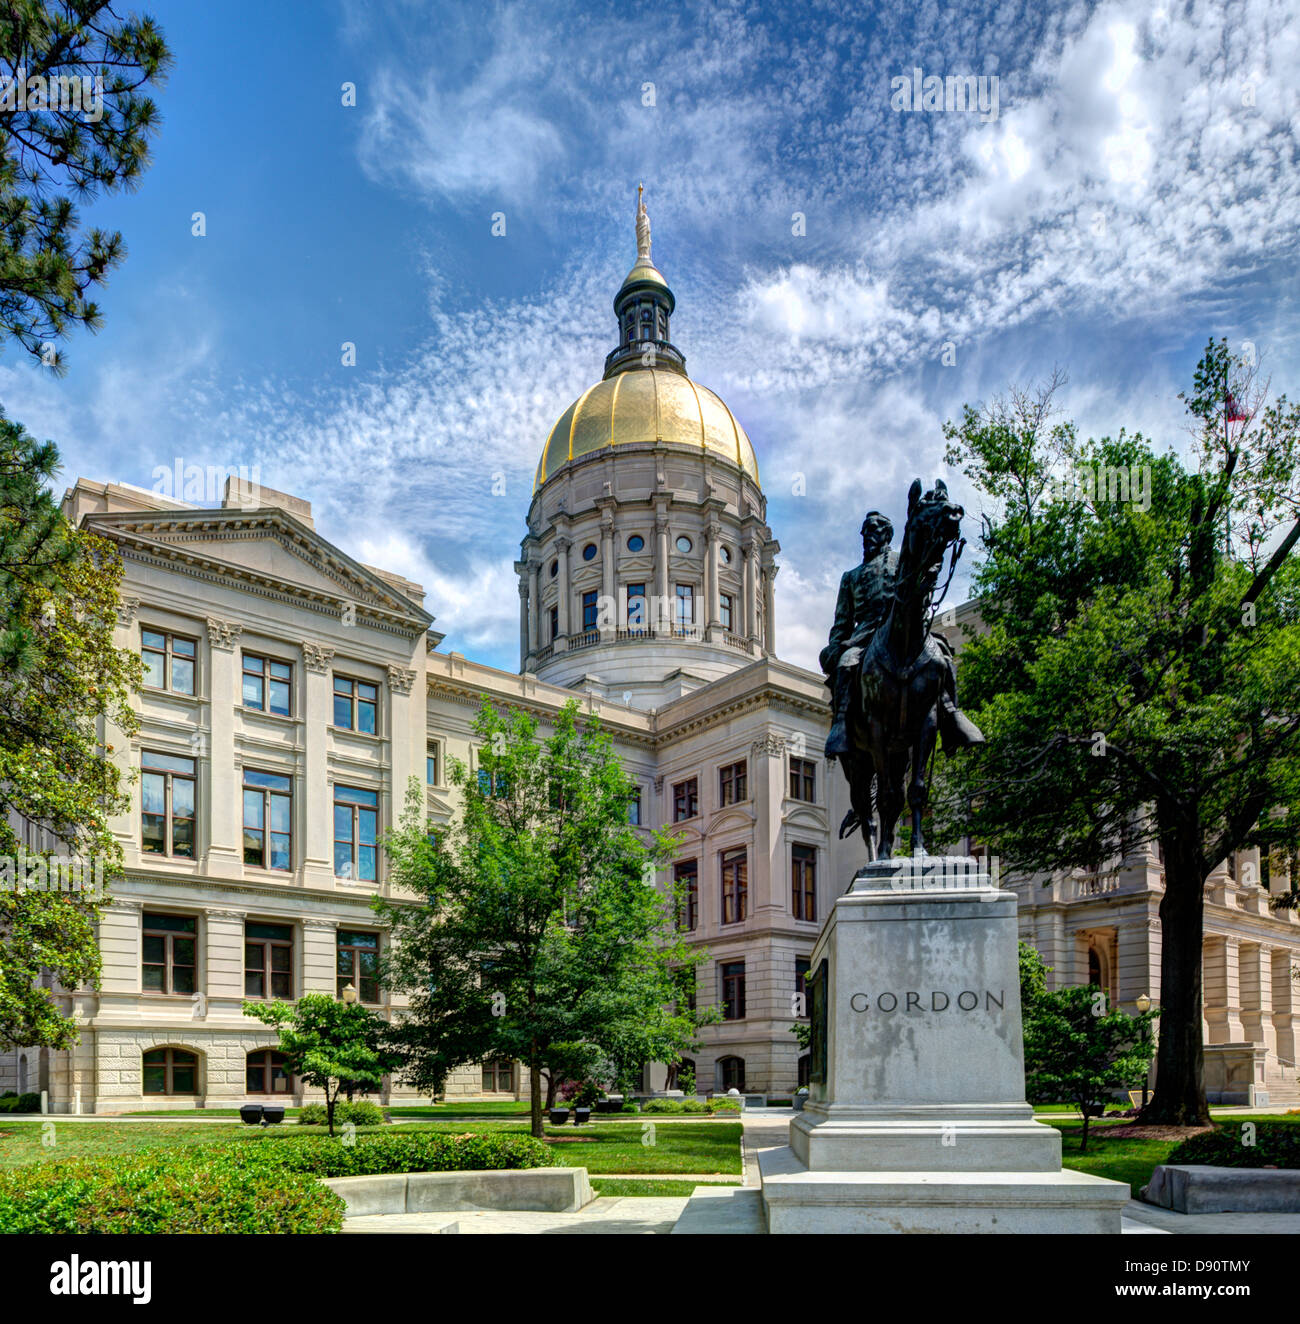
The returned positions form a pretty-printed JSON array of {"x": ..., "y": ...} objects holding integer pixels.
[
  {"x": 287, "y": 718},
  {"x": 150, "y": 692}
]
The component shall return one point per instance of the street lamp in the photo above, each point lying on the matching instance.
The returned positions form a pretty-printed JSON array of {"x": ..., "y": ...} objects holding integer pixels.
[
  {"x": 349, "y": 994},
  {"x": 1143, "y": 1005}
]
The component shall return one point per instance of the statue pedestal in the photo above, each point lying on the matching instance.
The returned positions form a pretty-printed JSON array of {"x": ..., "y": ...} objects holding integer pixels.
[{"x": 916, "y": 1118}]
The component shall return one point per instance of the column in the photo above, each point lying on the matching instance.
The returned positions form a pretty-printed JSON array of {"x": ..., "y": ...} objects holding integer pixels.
[
  {"x": 661, "y": 617},
  {"x": 608, "y": 617},
  {"x": 320, "y": 956},
  {"x": 1222, "y": 990},
  {"x": 769, "y": 872},
  {"x": 523, "y": 622},
  {"x": 403, "y": 760},
  {"x": 709, "y": 613},
  {"x": 769, "y": 614},
  {"x": 535, "y": 608},
  {"x": 216, "y": 755},
  {"x": 223, "y": 956},
  {"x": 315, "y": 817},
  {"x": 1284, "y": 1007},
  {"x": 562, "y": 546},
  {"x": 746, "y": 621},
  {"x": 1256, "y": 973}
]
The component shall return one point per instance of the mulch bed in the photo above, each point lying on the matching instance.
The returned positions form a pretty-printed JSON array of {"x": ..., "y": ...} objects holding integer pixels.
[
  {"x": 569, "y": 1140},
  {"x": 1146, "y": 1132}
]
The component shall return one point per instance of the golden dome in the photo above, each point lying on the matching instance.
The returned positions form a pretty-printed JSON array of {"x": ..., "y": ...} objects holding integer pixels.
[{"x": 646, "y": 405}]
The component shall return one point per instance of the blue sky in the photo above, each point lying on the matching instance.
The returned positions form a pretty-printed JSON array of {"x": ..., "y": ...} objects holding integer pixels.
[{"x": 1136, "y": 192}]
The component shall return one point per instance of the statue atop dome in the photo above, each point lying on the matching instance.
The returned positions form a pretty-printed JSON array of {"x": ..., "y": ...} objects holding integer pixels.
[{"x": 642, "y": 227}]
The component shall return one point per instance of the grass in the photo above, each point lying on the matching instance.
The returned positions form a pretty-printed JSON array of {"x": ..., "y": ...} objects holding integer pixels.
[
  {"x": 650, "y": 1187},
  {"x": 684, "y": 1147}
]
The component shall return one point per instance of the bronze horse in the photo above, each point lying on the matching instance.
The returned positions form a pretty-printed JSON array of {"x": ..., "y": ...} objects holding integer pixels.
[{"x": 894, "y": 724}]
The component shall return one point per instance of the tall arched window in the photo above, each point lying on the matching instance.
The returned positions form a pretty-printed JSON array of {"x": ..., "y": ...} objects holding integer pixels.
[{"x": 731, "y": 1071}]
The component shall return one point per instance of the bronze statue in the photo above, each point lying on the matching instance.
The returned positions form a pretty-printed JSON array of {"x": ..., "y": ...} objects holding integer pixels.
[{"x": 894, "y": 684}]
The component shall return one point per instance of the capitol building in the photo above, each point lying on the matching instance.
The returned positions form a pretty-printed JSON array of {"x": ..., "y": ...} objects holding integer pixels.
[{"x": 291, "y": 693}]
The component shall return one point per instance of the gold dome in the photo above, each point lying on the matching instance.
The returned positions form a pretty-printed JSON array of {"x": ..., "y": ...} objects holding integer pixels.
[{"x": 646, "y": 405}]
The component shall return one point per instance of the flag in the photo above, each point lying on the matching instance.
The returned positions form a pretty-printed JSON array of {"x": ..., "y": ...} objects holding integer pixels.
[{"x": 1232, "y": 411}]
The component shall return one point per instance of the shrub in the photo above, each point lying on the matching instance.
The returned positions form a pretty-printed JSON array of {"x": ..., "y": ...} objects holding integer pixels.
[
  {"x": 361, "y": 1112},
  {"x": 722, "y": 1104},
  {"x": 1277, "y": 1145},
  {"x": 20, "y": 1103},
  {"x": 674, "y": 1106},
  {"x": 400, "y": 1151}
]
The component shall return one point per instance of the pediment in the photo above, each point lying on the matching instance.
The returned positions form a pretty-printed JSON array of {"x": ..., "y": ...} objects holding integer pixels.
[{"x": 732, "y": 817}]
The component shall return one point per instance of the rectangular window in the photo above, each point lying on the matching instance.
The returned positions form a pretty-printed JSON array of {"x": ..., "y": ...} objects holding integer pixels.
[
  {"x": 356, "y": 705},
  {"x": 733, "y": 991},
  {"x": 685, "y": 606},
  {"x": 268, "y": 820},
  {"x": 686, "y": 800},
  {"x": 356, "y": 832},
  {"x": 589, "y": 610},
  {"x": 803, "y": 780},
  {"x": 168, "y": 661},
  {"x": 732, "y": 780},
  {"x": 555, "y": 623},
  {"x": 687, "y": 876},
  {"x": 267, "y": 684},
  {"x": 431, "y": 765},
  {"x": 724, "y": 610},
  {"x": 167, "y": 805},
  {"x": 634, "y": 808},
  {"x": 801, "y": 967},
  {"x": 358, "y": 964},
  {"x": 636, "y": 613},
  {"x": 735, "y": 885},
  {"x": 803, "y": 878},
  {"x": 498, "y": 1077},
  {"x": 167, "y": 962},
  {"x": 268, "y": 960}
]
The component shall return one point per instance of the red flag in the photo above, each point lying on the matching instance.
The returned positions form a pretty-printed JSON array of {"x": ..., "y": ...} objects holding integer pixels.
[{"x": 1233, "y": 412}]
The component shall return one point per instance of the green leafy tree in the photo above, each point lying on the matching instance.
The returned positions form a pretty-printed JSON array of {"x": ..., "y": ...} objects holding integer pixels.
[
  {"x": 64, "y": 136},
  {"x": 542, "y": 925},
  {"x": 1139, "y": 676},
  {"x": 1078, "y": 1051},
  {"x": 329, "y": 1043},
  {"x": 63, "y": 688}
]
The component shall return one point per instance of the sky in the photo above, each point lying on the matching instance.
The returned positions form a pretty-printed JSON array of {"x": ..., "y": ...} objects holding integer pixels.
[{"x": 848, "y": 273}]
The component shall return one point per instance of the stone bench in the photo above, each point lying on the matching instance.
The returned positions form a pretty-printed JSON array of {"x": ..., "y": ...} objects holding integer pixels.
[
  {"x": 1197, "y": 1188},
  {"x": 546, "y": 1190}
]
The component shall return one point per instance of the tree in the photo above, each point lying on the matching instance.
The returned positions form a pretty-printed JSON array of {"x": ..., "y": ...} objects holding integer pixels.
[
  {"x": 63, "y": 684},
  {"x": 74, "y": 123},
  {"x": 328, "y": 1043},
  {"x": 542, "y": 925},
  {"x": 1078, "y": 1050},
  {"x": 1139, "y": 678}
]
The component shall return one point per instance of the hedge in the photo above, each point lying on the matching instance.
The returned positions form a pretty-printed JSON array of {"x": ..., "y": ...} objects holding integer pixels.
[
  {"x": 1276, "y": 1145},
  {"x": 715, "y": 1105},
  {"x": 361, "y": 1112},
  {"x": 19, "y": 1103},
  {"x": 262, "y": 1184}
]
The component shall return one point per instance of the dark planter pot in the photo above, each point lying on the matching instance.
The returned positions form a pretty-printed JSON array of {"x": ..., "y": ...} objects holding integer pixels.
[
  {"x": 252, "y": 1113},
  {"x": 798, "y": 1101},
  {"x": 608, "y": 1105},
  {"x": 581, "y": 1115},
  {"x": 559, "y": 1116},
  {"x": 271, "y": 1116}
]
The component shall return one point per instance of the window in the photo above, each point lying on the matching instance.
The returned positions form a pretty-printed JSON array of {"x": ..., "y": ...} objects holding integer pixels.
[
  {"x": 555, "y": 568},
  {"x": 725, "y": 552},
  {"x": 636, "y": 607},
  {"x": 555, "y": 622},
  {"x": 268, "y": 820},
  {"x": 801, "y": 967},
  {"x": 686, "y": 800},
  {"x": 589, "y": 552},
  {"x": 358, "y": 964},
  {"x": 732, "y": 783},
  {"x": 803, "y": 780},
  {"x": 431, "y": 765},
  {"x": 495, "y": 784},
  {"x": 733, "y": 991},
  {"x": 267, "y": 684},
  {"x": 356, "y": 825},
  {"x": 634, "y": 808},
  {"x": 685, "y": 606},
  {"x": 803, "y": 880},
  {"x": 635, "y": 543},
  {"x": 170, "y": 1071},
  {"x": 356, "y": 705},
  {"x": 589, "y": 610},
  {"x": 684, "y": 544},
  {"x": 732, "y": 1071},
  {"x": 686, "y": 874},
  {"x": 266, "y": 1073},
  {"x": 735, "y": 885},
  {"x": 167, "y": 805},
  {"x": 724, "y": 610},
  {"x": 498, "y": 1077},
  {"x": 168, "y": 661},
  {"x": 268, "y": 960},
  {"x": 167, "y": 953}
]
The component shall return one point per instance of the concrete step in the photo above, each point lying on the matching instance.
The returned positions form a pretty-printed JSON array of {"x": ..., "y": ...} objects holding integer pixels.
[{"x": 723, "y": 1209}]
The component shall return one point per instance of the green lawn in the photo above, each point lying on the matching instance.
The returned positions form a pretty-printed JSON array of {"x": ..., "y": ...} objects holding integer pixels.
[
  {"x": 662, "y": 1189},
  {"x": 683, "y": 1147}
]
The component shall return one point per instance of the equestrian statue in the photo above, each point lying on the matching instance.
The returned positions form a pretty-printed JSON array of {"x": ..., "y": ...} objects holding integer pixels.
[{"x": 893, "y": 682}]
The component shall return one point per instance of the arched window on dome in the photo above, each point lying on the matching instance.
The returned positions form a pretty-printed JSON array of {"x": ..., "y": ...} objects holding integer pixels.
[{"x": 647, "y": 323}]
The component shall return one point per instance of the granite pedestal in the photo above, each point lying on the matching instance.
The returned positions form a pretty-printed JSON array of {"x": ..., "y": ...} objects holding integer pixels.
[{"x": 916, "y": 1118}]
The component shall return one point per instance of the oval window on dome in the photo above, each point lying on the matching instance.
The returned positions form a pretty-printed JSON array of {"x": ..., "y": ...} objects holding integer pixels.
[
  {"x": 555, "y": 568},
  {"x": 684, "y": 544},
  {"x": 589, "y": 552},
  {"x": 635, "y": 543}
]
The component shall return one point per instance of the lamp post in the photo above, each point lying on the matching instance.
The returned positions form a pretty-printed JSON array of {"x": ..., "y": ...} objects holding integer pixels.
[
  {"x": 1143, "y": 1005},
  {"x": 349, "y": 994}
]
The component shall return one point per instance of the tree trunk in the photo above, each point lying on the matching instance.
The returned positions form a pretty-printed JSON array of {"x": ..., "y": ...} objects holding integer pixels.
[
  {"x": 330, "y": 1100},
  {"x": 552, "y": 1082},
  {"x": 1179, "y": 1099},
  {"x": 1083, "y": 1139},
  {"x": 535, "y": 1094}
]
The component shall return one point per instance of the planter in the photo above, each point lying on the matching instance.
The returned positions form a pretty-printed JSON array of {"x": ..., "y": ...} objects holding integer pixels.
[
  {"x": 272, "y": 1115},
  {"x": 609, "y": 1105},
  {"x": 252, "y": 1113},
  {"x": 559, "y": 1116},
  {"x": 798, "y": 1101},
  {"x": 581, "y": 1115}
]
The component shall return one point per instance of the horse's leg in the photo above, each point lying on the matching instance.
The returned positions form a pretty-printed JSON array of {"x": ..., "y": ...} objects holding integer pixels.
[
  {"x": 918, "y": 791},
  {"x": 890, "y": 771}
]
